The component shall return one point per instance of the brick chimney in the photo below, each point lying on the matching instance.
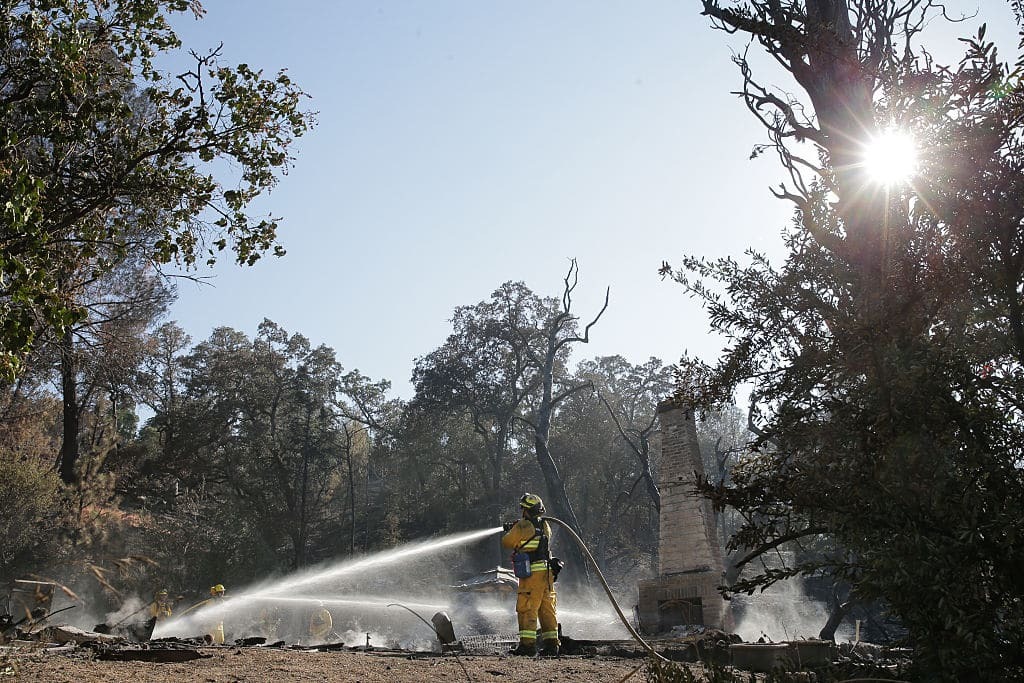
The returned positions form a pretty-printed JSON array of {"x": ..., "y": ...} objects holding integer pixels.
[{"x": 690, "y": 558}]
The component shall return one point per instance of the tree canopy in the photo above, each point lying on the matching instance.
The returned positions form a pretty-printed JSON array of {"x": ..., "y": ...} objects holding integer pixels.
[
  {"x": 884, "y": 352},
  {"x": 505, "y": 365},
  {"x": 103, "y": 153}
]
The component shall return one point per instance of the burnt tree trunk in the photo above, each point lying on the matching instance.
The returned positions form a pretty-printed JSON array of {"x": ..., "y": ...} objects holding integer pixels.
[
  {"x": 69, "y": 450},
  {"x": 836, "y": 614},
  {"x": 303, "y": 532},
  {"x": 558, "y": 498},
  {"x": 351, "y": 491},
  {"x": 497, "y": 448},
  {"x": 644, "y": 453}
]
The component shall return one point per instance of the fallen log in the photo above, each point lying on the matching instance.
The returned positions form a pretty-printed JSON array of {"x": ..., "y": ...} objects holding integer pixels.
[
  {"x": 250, "y": 641},
  {"x": 71, "y": 634},
  {"x": 168, "y": 656},
  {"x": 324, "y": 647},
  {"x": 59, "y": 649}
]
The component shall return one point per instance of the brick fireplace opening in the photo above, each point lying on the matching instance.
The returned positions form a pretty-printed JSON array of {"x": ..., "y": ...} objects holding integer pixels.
[{"x": 689, "y": 556}]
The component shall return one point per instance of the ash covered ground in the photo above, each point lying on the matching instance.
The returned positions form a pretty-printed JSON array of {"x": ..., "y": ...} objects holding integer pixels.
[{"x": 251, "y": 664}]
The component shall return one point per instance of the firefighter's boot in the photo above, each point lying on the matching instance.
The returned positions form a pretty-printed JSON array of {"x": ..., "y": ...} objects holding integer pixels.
[
  {"x": 549, "y": 647},
  {"x": 526, "y": 648}
]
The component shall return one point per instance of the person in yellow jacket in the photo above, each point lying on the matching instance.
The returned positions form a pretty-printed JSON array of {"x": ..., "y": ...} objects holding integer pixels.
[
  {"x": 216, "y": 625},
  {"x": 320, "y": 625},
  {"x": 530, "y": 540},
  {"x": 161, "y": 606},
  {"x": 217, "y": 630}
]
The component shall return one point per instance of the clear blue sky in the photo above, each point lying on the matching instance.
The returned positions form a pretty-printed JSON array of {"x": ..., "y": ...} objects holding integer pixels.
[{"x": 463, "y": 143}]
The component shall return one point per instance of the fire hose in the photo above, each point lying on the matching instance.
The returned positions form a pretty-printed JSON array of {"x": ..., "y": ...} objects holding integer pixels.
[{"x": 607, "y": 590}]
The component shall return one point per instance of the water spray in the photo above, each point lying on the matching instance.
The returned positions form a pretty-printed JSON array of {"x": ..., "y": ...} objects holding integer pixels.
[
  {"x": 273, "y": 592},
  {"x": 370, "y": 562},
  {"x": 340, "y": 602},
  {"x": 607, "y": 590},
  {"x": 276, "y": 591},
  {"x": 415, "y": 614}
]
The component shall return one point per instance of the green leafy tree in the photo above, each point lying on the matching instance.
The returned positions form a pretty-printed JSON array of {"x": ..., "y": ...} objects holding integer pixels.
[
  {"x": 159, "y": 380},
  {"x": 883, "y": 351},
  {"x": 439, "y": 451},
  {"x": 366, "y": 422},
  {"x": 479, "y": 375},
  {"x": 104, "y": 154},
  {"x": 30, "y": 504},
  {"x": 614, "y": 431},
  {"x": 505, "y": 366},
  {"x": 271, "y": 439},
  {"x": 630, "y": 395},
  {"x": 97, "y": 358},
  {"x": 270, "y": 433}
]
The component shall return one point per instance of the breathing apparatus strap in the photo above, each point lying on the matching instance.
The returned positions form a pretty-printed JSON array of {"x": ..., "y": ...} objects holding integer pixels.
[{"x": 540, "y": 552}]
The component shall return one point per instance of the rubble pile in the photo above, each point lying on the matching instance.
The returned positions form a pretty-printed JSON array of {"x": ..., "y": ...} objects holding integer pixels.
[{"x": 29, "y": 629}]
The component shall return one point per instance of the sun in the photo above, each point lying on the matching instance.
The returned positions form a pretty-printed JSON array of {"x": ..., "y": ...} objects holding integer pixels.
[{"x": 890, "y": 157}]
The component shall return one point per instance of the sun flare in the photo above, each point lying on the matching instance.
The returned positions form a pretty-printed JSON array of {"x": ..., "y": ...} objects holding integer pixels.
[{"x": 891, "y": 157}]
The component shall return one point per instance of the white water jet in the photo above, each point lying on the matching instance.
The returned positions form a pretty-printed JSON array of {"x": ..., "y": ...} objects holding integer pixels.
[
  {"x": 371, "y": 602},
  {"x": 242, "y": 606},
  {"x": 360, "y": 593},
  {"x": 380, "y": 559}
]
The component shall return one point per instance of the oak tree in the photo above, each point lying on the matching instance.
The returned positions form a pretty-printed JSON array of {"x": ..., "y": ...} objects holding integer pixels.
[
  {"x": 884, "y": 351},
  {"x": 102, "y": 153}
]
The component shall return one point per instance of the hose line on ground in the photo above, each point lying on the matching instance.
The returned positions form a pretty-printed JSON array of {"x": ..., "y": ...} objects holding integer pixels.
[
  {"x": 416, "y": 614},
  {"x": 607, "y": 590}
]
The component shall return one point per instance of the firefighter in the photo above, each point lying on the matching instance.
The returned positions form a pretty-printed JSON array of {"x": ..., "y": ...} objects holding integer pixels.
[
  {"x": 160, "y": 608},
  {"x": 320, "y": 625},
  {"x": 217, "y": 632},
  {"x": 530, "y": 539}
]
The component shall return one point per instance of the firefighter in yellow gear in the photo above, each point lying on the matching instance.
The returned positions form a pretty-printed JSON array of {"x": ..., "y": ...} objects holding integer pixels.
[
  {"x": 161, "y": 606},
  {"x": 217, "y": 632},
  {"x": 320, "y": 625},
  {"x": 531, "y": 536}
]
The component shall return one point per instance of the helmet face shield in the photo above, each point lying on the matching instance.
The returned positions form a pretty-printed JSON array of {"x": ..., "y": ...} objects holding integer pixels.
[{"x": 532, "y": 503}]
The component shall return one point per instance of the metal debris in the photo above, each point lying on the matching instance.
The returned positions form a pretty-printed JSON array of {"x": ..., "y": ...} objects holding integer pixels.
[
  {"x": 136, "y": 632},
  {"x": 443, "y": 627},
  {"x": 498, "y": 580}
]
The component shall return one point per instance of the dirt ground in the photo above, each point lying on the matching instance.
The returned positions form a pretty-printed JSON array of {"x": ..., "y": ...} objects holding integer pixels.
[{"x": 230, "y": 665}]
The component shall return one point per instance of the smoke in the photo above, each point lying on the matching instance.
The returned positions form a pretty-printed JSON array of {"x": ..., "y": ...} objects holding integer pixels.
[
  {"x": 131, "y": 610},
  {"x": 782, "y": 612},
  {"x": 588, "y": 614},
  {"x": 475, "y": 614},
  {"x": 356, "y": 636},
  {"x": 93, "y": 606}
]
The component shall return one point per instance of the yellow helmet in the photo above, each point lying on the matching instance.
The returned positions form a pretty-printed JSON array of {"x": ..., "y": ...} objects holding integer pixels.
[
  {"x": 162, "y": 593},
  {"x": 532, "y": 503},
  {"x": 217, "y": 590}
]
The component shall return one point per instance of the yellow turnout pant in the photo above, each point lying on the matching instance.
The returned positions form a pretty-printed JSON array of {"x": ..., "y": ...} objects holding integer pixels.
[{"x": 536, "y": 600}]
